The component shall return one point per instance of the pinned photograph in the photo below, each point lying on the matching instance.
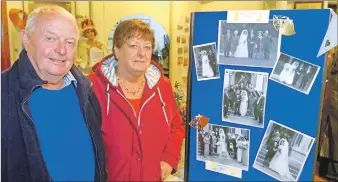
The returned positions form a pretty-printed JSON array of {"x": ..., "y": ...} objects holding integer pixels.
[
  {"x": 179, "y": 60},
  {"x": 294, "y": 73},
  {"x": 186, "y": 29},
  {"x": 180, "y": 50},
  {"x": 283, "y": 152},
  {"x": 244, "y": 97},
  {"x": 186, "y": 49},
  {"x": 248, "y": 44},
  {"x": 187, "y": 19},
  {"x": 206, "y": 61},
  {"x": 184, "y": 39},
  {"x": 224, "y": 145},
  {"x": 178, "y": 39},
  {"x": 185, "y": 62}
]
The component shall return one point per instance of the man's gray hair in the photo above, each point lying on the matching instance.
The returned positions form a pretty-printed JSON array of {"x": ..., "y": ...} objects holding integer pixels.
[{"x": 31, "y": 20}]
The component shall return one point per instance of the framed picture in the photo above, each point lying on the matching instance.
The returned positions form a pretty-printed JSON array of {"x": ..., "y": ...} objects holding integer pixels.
[
  {"x": 146, "y": 20},
  {"x": 309, "y": 5},
  {"x": 68, "y": 5}
]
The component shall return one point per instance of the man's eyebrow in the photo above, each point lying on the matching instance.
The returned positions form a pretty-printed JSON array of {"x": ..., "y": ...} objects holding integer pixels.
[{"x": 51, "y": 32}]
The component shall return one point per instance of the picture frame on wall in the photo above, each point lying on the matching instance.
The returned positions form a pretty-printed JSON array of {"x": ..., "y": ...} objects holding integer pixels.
[
  {"x": 309, "y": 5},
  {"x": 68, "y": 5}
]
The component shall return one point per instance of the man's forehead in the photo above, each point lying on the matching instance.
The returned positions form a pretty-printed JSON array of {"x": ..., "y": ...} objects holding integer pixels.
[{"x": 56, "y": 24}]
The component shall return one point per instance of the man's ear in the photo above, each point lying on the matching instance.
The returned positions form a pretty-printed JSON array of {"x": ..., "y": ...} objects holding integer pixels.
[{"x": 24, "y": 38}]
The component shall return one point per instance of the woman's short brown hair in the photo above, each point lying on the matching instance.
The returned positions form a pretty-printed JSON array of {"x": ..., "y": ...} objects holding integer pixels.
[{"x": 133, "y": 28}]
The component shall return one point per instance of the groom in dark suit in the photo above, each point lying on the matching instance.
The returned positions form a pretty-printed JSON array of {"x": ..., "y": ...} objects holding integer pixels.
[
  {"x": 227, "y": 43},
  {"x": 212, "y": 59},
  {"x": 226, "y": 103},
  {"x": 251, "y": 43},
  {"x": 259, "y": 107},
  {"x": 272, "y": 145},
  {"x": 267, "y": 41}
]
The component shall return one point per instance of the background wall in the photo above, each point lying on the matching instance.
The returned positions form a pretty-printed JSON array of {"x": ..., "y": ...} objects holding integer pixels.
[
  {"x": 230, "y": 5},
  {"x": 106, "y": 13}
]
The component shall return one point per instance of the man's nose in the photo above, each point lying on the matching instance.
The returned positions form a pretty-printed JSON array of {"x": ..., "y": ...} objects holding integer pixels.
[{"x": 61, "y": 48}]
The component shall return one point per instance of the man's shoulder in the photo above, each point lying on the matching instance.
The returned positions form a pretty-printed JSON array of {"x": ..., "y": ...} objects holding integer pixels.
[{"x": 8, "y": 78}]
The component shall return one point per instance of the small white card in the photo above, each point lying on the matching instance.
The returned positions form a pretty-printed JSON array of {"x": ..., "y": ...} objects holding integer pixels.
[
  {"x": 330, "y": 40},
  {"x": 228, "y": 170},
  {"x": 258, "y": 16}
]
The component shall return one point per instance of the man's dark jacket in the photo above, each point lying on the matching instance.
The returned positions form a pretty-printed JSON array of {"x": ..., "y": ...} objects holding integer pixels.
[{"x": 21, "y": 156}]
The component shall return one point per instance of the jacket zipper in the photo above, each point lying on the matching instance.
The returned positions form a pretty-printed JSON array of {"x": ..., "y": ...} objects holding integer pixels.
[
  {"x": 91, "y": 133},
  {"x": 139, "y": 118},
  {"x": 127, "y": 102},
  {"x": 36, "y": 135}
]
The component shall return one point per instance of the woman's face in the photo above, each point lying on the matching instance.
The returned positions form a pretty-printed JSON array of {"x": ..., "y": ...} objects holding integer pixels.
[
  {"x": 134, "y": 55},
  {"x": 282, "y": 142},
  {"x": 90, "y": 34}
]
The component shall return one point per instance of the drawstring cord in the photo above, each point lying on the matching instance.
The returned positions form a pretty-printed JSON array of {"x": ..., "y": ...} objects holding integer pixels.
[
  {"x": 108, "y": 95},
  {"x": 163, "y": 105}
]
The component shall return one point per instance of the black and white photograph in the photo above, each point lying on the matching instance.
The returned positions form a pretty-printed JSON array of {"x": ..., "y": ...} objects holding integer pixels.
[
  {"x": 224, "y": 145},
  {"x": 283, "y": 152},
  {"x": 248, "y": 44},
  {"x": 294, "y": 73},
  {"x": 206, "y": 61},
  {"x": 244, "y": 97}
]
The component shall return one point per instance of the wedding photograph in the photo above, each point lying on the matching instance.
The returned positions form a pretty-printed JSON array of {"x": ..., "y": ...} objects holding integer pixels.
[
  {"x": 224, "y": 145},
  {"x": 294, "y": 73},
  {"x": 248, "y": 44},
  {"x": 283, "y": 152},
  {"x": 206, "y": 61},
  {"x": 244, "y": 97}
]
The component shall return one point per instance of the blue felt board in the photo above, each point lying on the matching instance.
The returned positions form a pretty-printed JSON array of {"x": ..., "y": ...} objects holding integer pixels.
[{"x": 284, "y": 105}]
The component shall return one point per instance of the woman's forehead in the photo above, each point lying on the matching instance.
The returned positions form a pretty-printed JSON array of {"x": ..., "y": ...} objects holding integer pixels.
[{"x": 138, "y": 39}]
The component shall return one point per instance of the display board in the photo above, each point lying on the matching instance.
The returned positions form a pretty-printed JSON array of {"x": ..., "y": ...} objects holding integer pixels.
[{"x": 261, "y": 90}]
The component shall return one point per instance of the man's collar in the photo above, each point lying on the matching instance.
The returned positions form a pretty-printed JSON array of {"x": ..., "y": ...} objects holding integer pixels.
[{"x": 68, "y": 79}]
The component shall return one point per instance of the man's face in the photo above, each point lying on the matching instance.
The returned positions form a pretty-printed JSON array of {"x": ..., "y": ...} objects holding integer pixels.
[
  {"x": 52, "y": 45},
  {"x": 266, "y": 33}
]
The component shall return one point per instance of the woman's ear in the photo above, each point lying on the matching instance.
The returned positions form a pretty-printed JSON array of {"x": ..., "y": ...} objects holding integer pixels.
[{"x": 116, "y": 52}]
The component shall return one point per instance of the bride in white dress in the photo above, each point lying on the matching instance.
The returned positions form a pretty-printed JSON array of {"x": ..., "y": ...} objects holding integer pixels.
[
  {"x": 223, "y": 153},
  {"x": 288, "y": 73},
  {"x": 280, "y": 161},
  {"x": 243, "y": 107},
  {"x": 206, "y": 68},
  {"x": 242, "y": 48}
]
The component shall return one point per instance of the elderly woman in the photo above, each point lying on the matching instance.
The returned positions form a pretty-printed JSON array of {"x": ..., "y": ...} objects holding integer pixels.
[{"x": 141, "y": 124}]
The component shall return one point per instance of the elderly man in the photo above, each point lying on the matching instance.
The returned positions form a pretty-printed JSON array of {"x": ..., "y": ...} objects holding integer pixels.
[{"x": 50, "y": 128}]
